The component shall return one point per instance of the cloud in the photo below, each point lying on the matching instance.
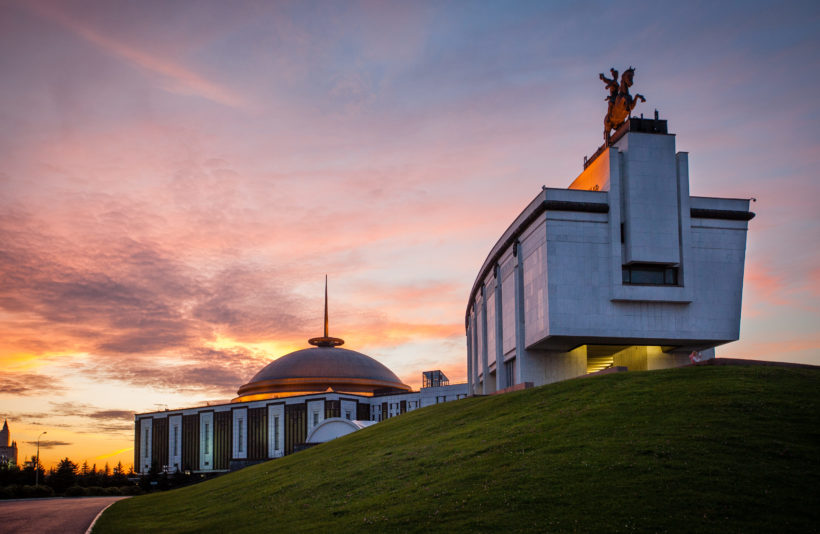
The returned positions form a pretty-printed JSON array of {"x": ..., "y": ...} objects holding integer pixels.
[
  {"x": 112, "y": 414},
  {"x": 120, "y": 300},
  {"x": 81, "y": 418},
  {"x": 204, "y": 370},
  {"x": 122, "y": 428},
  {"x": 411, "y": 294},
  {"x": 112, "y": 294},
  {"x": 178, "y": 79},
  {"x": 249, "y": 303},
  {"x": 49, "y": 443},
  {"x": 28, "y": 384},
  {"x": 35, "y": 416},
  {"x": 114, "y": 453},
  {"x": 760, "y": 280},
  {"x": 75, "y": 409}
]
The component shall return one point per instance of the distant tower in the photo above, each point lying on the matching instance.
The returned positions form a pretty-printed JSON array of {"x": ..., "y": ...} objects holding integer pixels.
[
  {"x": 8, "y": 448},
  {"x": 5, "y": 438}
]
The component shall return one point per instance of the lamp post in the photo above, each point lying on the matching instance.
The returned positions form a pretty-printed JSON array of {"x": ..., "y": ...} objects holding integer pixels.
[{"x": 37, "y": 465}]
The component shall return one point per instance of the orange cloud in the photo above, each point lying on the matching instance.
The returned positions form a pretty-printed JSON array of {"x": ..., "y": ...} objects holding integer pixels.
[{"x": 115, "y": 453}]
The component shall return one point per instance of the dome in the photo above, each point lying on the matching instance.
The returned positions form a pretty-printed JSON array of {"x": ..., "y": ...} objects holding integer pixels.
[
  {"x": 323, "y": 367},
  {"x": 316, "y": 369}
]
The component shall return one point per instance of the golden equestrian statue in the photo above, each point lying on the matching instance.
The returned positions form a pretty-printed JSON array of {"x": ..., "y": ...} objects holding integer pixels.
[{"x": 620, "y": 101}]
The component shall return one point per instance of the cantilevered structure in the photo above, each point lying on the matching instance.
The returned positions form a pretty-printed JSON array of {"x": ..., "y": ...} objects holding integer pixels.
[{"x": 623, "y": 268}]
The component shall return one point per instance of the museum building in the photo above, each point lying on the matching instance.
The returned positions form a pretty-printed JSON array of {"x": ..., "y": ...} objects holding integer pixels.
[
  {"x": 624, "y": 268},
  {"x": 300, "y": 399}
]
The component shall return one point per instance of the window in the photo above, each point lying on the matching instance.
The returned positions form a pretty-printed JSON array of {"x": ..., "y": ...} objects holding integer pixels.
[
  {"x": 207, "y": 439},
  {"x": 509, "y": 373},
  {"x": 434, "y": 379},
  {"x": 276, "y": 433},
  {"x": 648, "y": 274},
  {"x": 176, "y": 440},
  {"x": 347, "y": 415},
  {"x": 239, "y": 432},
  {"x": 146, "y": 443},
  {"x": 315, "y": 418}
]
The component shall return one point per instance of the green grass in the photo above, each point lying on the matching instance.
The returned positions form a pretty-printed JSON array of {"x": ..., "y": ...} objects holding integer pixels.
[{"x": 696, "y": 449}]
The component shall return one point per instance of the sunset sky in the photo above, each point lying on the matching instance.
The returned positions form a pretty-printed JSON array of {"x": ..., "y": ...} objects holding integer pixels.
[{"x": 176, "y": 178}]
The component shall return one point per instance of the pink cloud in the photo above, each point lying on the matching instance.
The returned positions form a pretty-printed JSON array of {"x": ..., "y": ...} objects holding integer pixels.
[
  {"x": 762, "y": 283},
  {"x": 177, "y": 78}
]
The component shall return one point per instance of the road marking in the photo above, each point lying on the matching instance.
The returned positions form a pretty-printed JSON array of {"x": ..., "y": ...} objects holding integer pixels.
[{"x": 91, "y": 526}]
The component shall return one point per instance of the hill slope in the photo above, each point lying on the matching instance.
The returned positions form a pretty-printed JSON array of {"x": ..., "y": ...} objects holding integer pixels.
[{"x": 690, "y": 449}]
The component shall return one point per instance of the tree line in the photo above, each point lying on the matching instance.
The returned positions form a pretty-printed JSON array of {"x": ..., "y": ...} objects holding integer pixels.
[{"x": 72, "y": 480}]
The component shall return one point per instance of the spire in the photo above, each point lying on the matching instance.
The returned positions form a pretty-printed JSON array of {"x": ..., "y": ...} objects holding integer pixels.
[
  {"x": 326, "y": 341},
  {"x": 325, "y": 305}
]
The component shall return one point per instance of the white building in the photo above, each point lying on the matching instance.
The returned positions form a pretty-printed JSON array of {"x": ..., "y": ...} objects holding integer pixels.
[
  {"x": 300, "y": 399},
  {"x": 623, "y": 268}
]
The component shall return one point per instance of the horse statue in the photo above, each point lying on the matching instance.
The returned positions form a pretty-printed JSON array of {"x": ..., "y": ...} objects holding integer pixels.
[{"x": 620, "y": 101}]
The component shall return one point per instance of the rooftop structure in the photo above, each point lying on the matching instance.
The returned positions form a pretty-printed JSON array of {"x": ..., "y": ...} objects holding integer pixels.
[
  {"x": 432, "y": 379},
  {"x": 317, "y": 370}
]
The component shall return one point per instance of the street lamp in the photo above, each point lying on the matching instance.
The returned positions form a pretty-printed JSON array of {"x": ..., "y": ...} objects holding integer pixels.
[{"x": 37, "y": 465}]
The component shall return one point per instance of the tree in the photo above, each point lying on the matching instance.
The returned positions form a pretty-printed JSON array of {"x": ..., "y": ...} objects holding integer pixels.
[
  {"x": 85, "y": 472},
  {"x": 9, "y": 474},
  {"x": 29, "y": 474},
  {"x": 93, "y": 476},
  {"x": 119, "y": 475},
  {"x": 64, "y": 476},
  {"x": 105, "y": 475},
  {"x": 149, "y": 480}
]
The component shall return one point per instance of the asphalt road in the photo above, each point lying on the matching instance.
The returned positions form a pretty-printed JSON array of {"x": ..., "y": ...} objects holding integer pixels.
[{"x": 43, "y": 516}]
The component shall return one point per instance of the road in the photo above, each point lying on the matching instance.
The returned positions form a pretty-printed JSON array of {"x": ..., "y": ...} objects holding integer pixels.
[{"x": 43, "y": 516}]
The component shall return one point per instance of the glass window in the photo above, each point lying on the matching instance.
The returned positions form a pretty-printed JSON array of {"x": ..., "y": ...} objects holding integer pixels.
[
  {"x": 509, "y": 373},
  {"x": 644, "y": 274},
  {"x": 315, "y": 418},
  {"x": 239, "y": 424},
  {"x": 176, "y": 440},
  {"x": 276, "y": 433},
  {"x": 347, "y": 415},
  {"x": 207, "y": 439}
]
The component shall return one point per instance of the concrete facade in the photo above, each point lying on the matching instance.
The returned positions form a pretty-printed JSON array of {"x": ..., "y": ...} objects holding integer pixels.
[{"x": 622, "y": 268}]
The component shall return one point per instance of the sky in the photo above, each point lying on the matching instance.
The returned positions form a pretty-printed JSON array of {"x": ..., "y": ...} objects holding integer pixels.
[{"x": 176, "y": 178}]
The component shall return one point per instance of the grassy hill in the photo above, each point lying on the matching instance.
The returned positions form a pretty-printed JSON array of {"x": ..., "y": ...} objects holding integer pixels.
[{"x": 696, "y": 449}]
